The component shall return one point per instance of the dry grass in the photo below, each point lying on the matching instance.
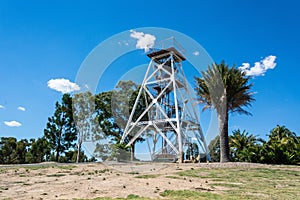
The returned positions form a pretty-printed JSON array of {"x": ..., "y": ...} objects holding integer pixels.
[{"x": 150, "y": 181}]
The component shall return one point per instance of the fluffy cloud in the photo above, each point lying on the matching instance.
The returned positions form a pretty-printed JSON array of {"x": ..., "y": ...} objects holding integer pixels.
[
  {"x": 12, "y": 123},
  {"x": 144, "y": 41},
  {"x": 260, "y": 67},
  {"x": 196, "y": 53},
  {"x": 63, "y": 85},
  {"x": 21, "y": 108},
  {"x": 1, "y": 107}
]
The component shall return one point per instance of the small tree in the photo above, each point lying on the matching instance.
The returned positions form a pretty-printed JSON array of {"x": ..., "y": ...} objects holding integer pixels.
[
  {"x": 124, "y": 97},
  {"x": 282, "y": 147},
  {"x": 112, "y": 111},
  {"x": 214, "y": 149},
  {"x": 8, "y": 147},
  {"x": 39, "y": 151},
  {"x": 244, "y": 147},
  {"x": 60, "y": 130},
  {"x": 84, "y": 114}
]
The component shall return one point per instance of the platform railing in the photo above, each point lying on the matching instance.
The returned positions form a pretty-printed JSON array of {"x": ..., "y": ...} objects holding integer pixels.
[{"x": 168, "y": 43}]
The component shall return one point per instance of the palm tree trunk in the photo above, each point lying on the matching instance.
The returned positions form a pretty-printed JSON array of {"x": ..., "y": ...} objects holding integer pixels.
[{"x": 223, "y": 131}]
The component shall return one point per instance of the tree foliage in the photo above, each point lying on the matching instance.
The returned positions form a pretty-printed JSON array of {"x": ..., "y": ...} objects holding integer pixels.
[
  {"x": 39, "y": 151},
  {"x": 112, "y": 110},
  {"x": 60, "y": 130},
  {"x": 282, "y": 147},
  {"x": 214, "y": 149},
  {"x": 84, "y": 117},
  {"x": 244, "y": 147}
]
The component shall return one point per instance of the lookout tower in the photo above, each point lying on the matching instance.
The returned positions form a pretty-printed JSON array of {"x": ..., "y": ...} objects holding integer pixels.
[{"x": 170, "y": 119}]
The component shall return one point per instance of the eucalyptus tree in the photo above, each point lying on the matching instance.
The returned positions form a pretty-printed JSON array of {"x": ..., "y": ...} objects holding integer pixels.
[
  {"x": 110, "y": 131},
  {"x": 112, "y": 111},
  {"x": 84, "y": 117},
  {"x": 124, "y": 97},
  {"x": 227, "y": 90}
]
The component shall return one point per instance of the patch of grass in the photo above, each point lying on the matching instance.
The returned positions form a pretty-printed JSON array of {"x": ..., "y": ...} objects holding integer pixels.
[
  {"x": 250, "y": 183},
  {"x": 36, "y": 167},
  {"x": 18, "y": 182},
  {"x": 55, "y": 175},
  {"x": 188, "y": 194},
  {"x": 66, "y": 167},
  {"x": 229, "y": 185},
  {"x": 173, "y": 177},
  {"x": 147, "y": 176},
  {"x": 130, "y": 196},
  {"x": 40, "y": 182},
  {"x": 195, "y": 173},
  {"x": 133, "y": 196},
  {"x": 3, "y": 188}
]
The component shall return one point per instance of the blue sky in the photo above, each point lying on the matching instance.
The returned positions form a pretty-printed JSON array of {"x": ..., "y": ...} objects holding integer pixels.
[{"x": 44, "y": 40}]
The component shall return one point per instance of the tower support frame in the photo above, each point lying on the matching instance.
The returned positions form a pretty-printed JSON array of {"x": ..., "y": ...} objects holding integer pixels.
[{"x": 170, "y": 115}]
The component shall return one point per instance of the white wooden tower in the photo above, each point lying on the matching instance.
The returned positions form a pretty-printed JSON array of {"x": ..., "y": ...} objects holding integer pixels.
[{"x": 170, "y": 121}]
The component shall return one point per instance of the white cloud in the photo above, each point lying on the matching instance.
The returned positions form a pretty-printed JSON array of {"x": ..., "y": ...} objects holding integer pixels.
[
  {"x": 63, "y": 85},
  {"x": 144, "y": 40},
  {"x": 21, "y": 108},
  {"x": 1, "y": 107},
  {"x": 259, "y": 68},
  {"x": 196, "y": 53},
  {"x": 12, "y": 123}
]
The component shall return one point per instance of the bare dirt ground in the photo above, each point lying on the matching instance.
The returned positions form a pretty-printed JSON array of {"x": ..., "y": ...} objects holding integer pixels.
[{"x": 88, "y": 181}]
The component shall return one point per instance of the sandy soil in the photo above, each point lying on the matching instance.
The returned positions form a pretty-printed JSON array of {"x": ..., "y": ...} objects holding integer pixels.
[{"x": 68, "y": 181}]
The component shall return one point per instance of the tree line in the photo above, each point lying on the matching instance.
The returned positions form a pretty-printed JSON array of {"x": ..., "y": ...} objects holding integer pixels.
[
  {"x": 78, "y": 118},
  {"x": 103, "y": 116},
  {"x": 281, "y": 147}
]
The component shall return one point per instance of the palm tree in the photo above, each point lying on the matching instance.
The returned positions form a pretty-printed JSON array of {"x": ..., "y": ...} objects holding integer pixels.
[
  {"x": 282, "y": 147},
  {"x": 244, "y": 146},
  {"x": 227, "y": 90}
]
